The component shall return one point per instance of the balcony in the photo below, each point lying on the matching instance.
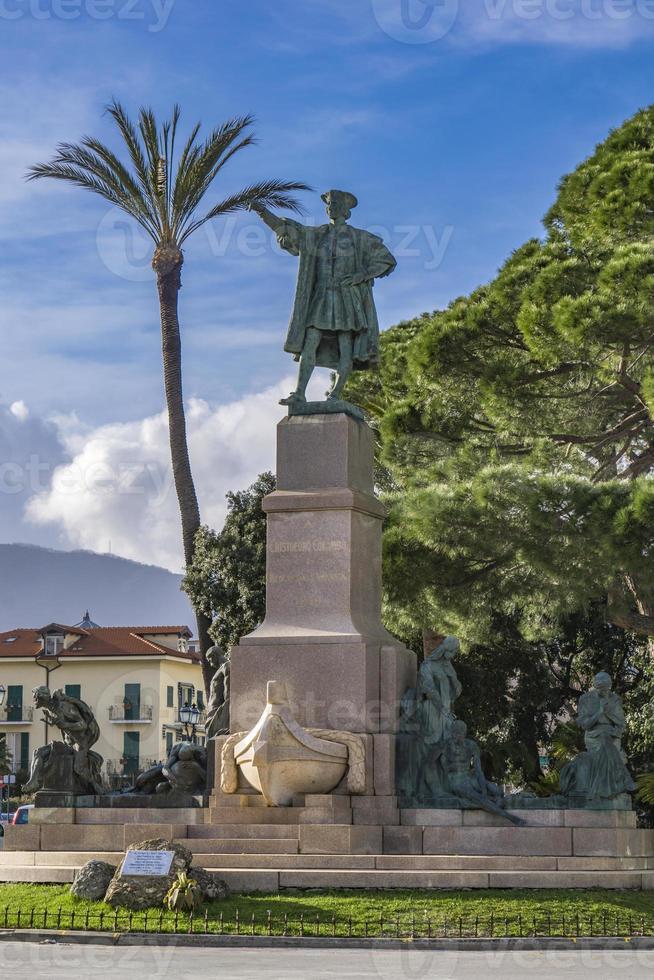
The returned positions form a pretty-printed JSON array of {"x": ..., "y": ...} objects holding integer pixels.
[
  {"x": 126, "y": 714},
  {"x": 16, "y": 715},
  {"x": 120, "y": 774}
]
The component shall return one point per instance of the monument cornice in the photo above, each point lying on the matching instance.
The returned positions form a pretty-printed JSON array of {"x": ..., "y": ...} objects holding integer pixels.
[{"x": 339, "y": 498}]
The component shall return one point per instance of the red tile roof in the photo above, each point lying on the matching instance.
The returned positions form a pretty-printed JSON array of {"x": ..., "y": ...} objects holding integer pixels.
[{"x": 106, "y": 641}]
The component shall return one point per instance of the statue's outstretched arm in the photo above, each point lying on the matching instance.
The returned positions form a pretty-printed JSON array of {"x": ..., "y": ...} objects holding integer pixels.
[
  {"x": 288, "y": 231},
  {"x": 272, "y": 220}
]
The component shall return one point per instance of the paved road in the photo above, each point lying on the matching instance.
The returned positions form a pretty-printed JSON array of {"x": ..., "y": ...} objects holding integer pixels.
[{"x": 26, "y": 961}]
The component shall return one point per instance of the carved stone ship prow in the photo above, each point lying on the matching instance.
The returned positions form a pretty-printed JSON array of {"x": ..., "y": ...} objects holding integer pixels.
[{"x": 281, "y": 759}]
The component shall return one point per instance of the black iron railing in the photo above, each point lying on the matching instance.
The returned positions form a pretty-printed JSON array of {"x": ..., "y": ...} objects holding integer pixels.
[{"x": 412, "y": 926}]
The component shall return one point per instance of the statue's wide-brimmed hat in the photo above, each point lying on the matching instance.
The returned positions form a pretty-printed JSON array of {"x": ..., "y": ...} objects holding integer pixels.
[{"x": 349, "y": 200}]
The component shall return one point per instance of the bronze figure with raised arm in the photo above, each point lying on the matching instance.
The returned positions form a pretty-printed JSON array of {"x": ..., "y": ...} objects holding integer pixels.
[{"x": 334, "y": 322}]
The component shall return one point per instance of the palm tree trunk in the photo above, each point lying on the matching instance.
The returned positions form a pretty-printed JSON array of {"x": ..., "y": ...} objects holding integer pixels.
[{"x": 167, "y": 263}]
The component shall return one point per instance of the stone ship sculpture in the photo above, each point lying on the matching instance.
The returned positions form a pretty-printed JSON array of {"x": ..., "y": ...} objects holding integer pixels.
[{"x": 281, "y": 760}]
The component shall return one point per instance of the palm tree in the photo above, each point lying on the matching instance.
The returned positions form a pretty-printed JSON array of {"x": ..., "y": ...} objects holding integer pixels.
[{"x": 165, "y": 201}]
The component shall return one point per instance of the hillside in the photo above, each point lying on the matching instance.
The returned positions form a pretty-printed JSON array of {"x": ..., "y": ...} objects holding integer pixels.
[{"x": 39, "y": 585}]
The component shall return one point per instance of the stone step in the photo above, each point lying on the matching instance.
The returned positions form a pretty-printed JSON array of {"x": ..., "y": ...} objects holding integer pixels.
[
  {"x": 249, "y": 880},
  {"x": 260, "y": 854},
  {"x": 61, "y": 859},
  {"x": 245, "y": 830},
  {"x": 351, "y": 872},
  {"x": 253, "y": 814},
  {"x": 247, "y": 846},
  {"x": 42, "y": 874},
  {"x": 483, "y": 862},
  {"x": 279, "y": 862}
]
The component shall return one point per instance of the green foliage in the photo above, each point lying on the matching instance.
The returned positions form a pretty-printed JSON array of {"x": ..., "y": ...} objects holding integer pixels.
[
  {"x": 359, "y": 905},
  {"x": 516, "y": 426},
  {"x": 164, "y": 183},
  {"x": 519, "y": 697},
  {"x": 5, "y": 758},
  {"x": 184, "y": 895},
  {"x": 227, "y": 579},
  {"x": 645, "y": 784}
]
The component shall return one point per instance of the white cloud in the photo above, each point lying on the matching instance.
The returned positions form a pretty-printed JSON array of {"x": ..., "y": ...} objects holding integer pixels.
[
  {"x": 30, "y": 450},
  {"x": 19, "y": 410},
  {"x": 116, "y": 492}
]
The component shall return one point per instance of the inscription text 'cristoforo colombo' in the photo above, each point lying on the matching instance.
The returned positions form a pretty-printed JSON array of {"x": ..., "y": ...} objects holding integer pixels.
[{"x": 309, "y": 545}]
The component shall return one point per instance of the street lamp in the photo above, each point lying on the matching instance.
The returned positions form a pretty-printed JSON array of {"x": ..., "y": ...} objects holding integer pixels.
[
  {"x": 50, "y": 662},
  {"x": 189, "y": 716}
]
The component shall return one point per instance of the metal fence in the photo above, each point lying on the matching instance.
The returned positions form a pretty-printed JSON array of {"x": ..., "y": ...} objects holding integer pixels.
[
  {"x": 401, "y": 926},
  {"x": 16, "y": 713},
  {"x": 128, "y": 712}
]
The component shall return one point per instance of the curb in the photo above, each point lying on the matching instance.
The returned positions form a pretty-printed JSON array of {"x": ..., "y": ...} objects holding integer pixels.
[{"x": 80, "y": 938}]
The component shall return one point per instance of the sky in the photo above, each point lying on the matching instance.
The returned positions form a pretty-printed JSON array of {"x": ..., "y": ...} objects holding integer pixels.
[{"x": 451, "y": 121}]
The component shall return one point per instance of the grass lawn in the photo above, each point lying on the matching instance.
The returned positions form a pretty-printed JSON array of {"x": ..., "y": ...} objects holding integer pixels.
[{"x": 420, "y": 912}]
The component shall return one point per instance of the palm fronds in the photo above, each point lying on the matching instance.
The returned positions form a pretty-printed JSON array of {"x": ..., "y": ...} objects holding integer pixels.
[
  {"x": 160, "y": 191},
  {"x": 645, "y": 787}
]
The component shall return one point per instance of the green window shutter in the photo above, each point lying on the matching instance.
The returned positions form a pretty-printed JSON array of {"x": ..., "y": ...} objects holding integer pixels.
[
  {"x": 15, "y": 702},
  {"x": 132, "y": 701},
  {"x": 169, "y": 743},
  {"x": 170, "y": 696},
  {"x": 24, "y": 750},
  {"x": 200, "y": 699},
  {"x": 131, "y": 751},
  {"x": 73, "y": 691}
]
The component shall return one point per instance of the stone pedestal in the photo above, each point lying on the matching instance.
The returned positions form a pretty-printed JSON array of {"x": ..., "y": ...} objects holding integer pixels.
[{"x": 323, "y": 636}]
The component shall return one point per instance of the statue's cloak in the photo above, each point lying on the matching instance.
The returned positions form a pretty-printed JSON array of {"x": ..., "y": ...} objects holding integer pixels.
[{"x": 367, "y": 254}]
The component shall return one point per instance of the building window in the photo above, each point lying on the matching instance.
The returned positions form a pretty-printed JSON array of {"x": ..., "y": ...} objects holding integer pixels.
[
  {"x": 54, "y": 645},
  {"x": 199, "y": 699},
  {"x": 169, "y": 743},
  {"x": 25, "y": 750},
  {"x": 15, "y": 702},
  {"x": 131, "y": 751},
  {"x": 73, "y": 691},
  {"x": 132, "y": 702},
  {"x": 186, "y": 694},
  {"x": 170, "y": 696}
]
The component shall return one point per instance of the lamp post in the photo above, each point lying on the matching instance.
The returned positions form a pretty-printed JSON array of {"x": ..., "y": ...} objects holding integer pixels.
[
  {"x": 50, "y": 662},
  {"x": 3, "y": 694},
  {"x": 189, "y": 716}
]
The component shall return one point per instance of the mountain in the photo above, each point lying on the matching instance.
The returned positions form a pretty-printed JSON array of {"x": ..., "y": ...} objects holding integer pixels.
[{"x": 40, "y": 586}]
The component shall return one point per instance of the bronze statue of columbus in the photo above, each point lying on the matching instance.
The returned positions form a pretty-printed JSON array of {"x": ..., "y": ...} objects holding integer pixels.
[{"x": 334, "y": 322}]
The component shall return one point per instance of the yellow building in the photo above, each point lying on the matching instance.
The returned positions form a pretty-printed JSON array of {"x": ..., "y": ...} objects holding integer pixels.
[{"x": 135, "y": 679}]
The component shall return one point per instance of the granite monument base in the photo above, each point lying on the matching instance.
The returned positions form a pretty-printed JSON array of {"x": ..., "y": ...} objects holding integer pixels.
[{"x": 322, "y": 636}]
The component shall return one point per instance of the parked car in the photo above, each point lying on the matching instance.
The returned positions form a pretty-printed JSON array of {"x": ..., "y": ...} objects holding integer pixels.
[{"x": 22, "y": 814}]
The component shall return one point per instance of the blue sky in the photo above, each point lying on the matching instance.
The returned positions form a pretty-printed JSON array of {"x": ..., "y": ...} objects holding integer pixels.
[{"x": 453, "y": 139}]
